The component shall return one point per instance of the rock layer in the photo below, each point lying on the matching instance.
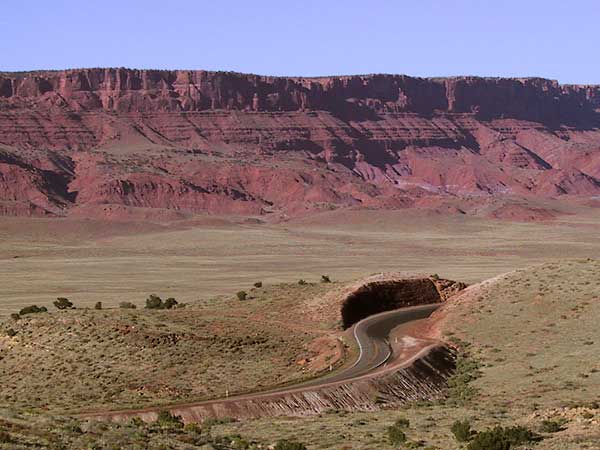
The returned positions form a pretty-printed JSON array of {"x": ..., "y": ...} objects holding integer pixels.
[{"x": 197, "y": 141}]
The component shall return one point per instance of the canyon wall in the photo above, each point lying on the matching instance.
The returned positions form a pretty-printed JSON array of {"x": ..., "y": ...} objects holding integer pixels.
[{"x": 105, "y": 142}]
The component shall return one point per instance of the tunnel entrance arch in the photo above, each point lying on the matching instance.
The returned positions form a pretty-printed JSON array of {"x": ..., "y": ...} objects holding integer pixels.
[{"x": 380, "y": 296}]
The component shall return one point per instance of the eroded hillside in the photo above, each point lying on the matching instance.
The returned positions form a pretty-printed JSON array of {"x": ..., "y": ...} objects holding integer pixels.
[{"x": 105, "y": 142}]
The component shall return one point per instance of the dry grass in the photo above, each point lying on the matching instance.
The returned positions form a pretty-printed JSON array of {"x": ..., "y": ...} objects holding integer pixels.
[
  {"x": 87, "y": 359},
  {"x": 90, "y": 261},
  {"x": 535, "y": 335}
]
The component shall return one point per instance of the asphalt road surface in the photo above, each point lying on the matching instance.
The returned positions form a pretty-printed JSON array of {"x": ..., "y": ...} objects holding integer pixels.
[{"x": 372, "y": 335}]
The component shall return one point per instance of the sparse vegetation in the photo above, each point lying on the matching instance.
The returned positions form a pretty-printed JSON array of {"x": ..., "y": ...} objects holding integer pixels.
[
  {"x": 552, "y": 426},
  {"x": 258, "y": 284},
  {"x": 302, "y": 282},
  {"x": 289, "y": 445},
  {"x": 461, "y": 429},
  {"x": 98, "y": 305},
  {"x": 112, "y": 352},
  {"x": 154, "y": 302},
  {"x": 396, "y": 434},
  {"x": 170, "y": 303},
  {"x": 242, "y": 295},
  {"x": 167, "y": 420},
  {"x": 127, "y": 305},
  {"x": 63, "y": 303},
  {"x": 325, "y": 279},
  {"x": 460, "y": 390},
  {"x": 33, "y": 309},
  {"x": 502, "y": 438},
  {"x": 11, "y": 332}
]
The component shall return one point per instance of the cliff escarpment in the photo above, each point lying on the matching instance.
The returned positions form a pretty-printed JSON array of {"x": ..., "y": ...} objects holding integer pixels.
[{"x": 80, "y": 142}]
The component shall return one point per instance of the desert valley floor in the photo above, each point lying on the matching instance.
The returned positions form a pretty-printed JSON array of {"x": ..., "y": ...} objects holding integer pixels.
[{"x": 90, "y": 261}]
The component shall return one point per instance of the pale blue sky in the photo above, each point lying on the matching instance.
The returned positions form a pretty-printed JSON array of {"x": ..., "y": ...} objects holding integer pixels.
[{"x": 551, "y": 38}]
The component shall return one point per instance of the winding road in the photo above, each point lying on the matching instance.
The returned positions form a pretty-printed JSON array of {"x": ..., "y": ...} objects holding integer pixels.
[{"x": 371, "y": 336}]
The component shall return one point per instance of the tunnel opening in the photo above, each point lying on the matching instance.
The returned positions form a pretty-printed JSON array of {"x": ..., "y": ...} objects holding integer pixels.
[{"x": 380, "y": 296}]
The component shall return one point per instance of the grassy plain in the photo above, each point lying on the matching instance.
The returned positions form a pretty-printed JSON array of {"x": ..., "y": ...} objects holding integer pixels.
[{"x": 89, "y": 261}]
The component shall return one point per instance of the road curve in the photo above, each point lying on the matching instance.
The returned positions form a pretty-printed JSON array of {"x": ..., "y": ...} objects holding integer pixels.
[{"x": 371, "y": 335}]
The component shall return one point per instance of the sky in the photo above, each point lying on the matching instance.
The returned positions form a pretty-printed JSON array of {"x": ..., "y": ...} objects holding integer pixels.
[{"x": 551, "y": 39}]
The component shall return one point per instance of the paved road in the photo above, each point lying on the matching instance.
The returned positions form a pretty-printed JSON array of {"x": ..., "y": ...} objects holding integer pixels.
[{"x": 371, "y": 335}]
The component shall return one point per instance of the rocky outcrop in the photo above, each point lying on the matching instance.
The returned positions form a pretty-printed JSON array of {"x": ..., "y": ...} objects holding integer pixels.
[
  {"x": 220, "y": 142},
  {"x": 125, "y": 90}
]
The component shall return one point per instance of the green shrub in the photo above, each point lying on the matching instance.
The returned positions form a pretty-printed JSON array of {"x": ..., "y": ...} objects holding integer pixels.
[
  {"x": 98, "y": 305},
  {"x": 434, "y": 276},
  {"x": 63, "y": 303},
  {"x": 402, "y": 423},
  {"x": 459, "y": 389},
  {"x": 242, "y": 295},
  {"x": 10, "y": 332},
  {"x": 192, "y": 428},
  {"x": 289, "y": 445},
  {"x": 33, "y": 309},
  {"x": 462, "y": 430},
  {"x": 127, "y": 305},
  {"x": 552, "y": 426},
  {"x": 167, "y": 420},
  {"x": 154, "y": 302},
  {"x": 325, "y": 279},
  {"x": 258, "y": 284},
  {"x": 395, "y": 434},
  {"x": 137, "y": 422},
  {"x": 5, "y": 437},
  {"x": 170, "y": 303},
  {"x": 500, "y": 438}
]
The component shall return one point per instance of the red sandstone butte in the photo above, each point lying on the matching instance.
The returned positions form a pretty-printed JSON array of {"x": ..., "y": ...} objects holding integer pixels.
[{"x": 118, "y": 140}]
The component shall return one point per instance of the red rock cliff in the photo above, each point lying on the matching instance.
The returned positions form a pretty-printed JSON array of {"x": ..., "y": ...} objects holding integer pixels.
[{"x": 227, "y": 142}]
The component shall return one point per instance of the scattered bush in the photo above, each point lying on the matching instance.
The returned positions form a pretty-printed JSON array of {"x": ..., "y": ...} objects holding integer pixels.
[
  {"x": 170, "y": 303},
  {"x": 402, "y": 423},
  {"x": 33, "y": 309},
  {"x": 98, "y": 305},
  {"x": 395, "y": 434},
  {"x": 500, "y": 438},
  {"x": 302, "y": 282},
  {"x": 462, "y": 430},
  {"x": 258, "y": 284},
  {"x": 127, "y": 305},
  {"x": 192, "y": 428},
  {"x": 15, "y": 316},
  {"x": 167, "y": 420},
  {"x": 325, "y": 279},
  {"x": 63, "y": 303},
  {"x": 154, "y": 302},
  {"x": 242, "y": 295},
  {"x": 552, "y": 426},
  {"x": 289, "y": 445},
  {"x": 434, "y": 276},
  {"x": 10, "y": 332},
  {"x": 467, "y": 370},
  {"x": 137, "y": 422},
  {"x": 5, "y": 437}
]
